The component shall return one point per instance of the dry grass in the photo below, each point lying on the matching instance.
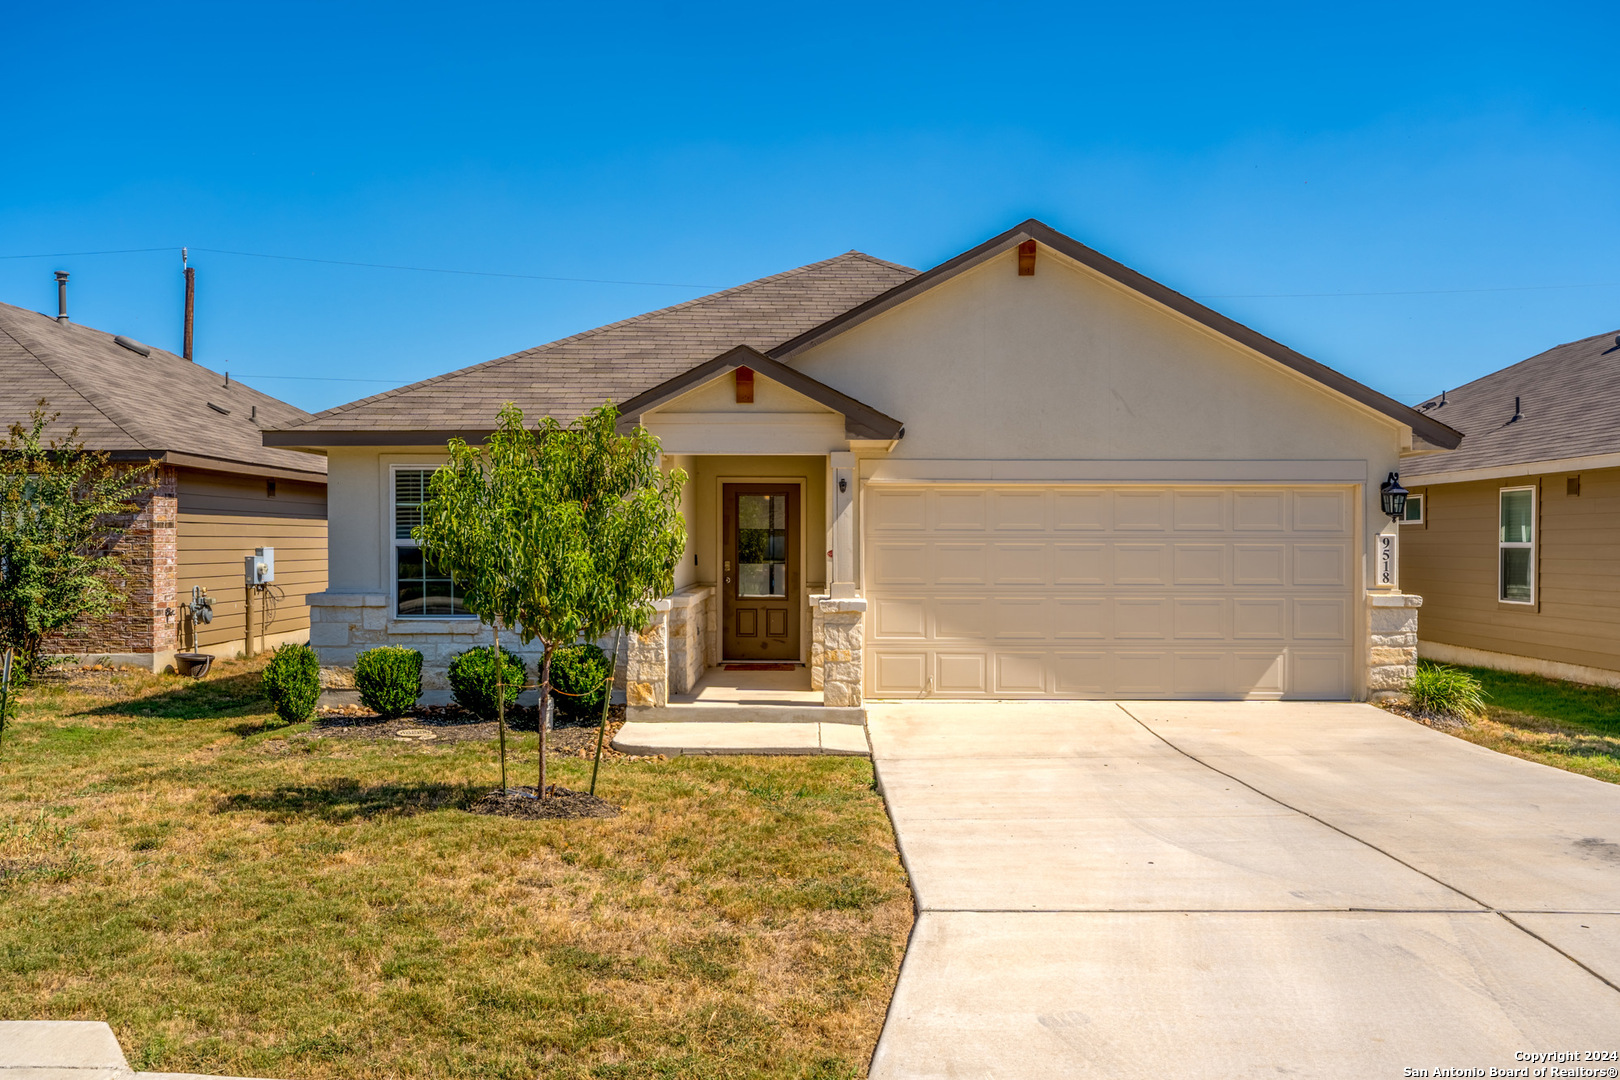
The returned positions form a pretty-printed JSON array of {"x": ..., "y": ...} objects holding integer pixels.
[
  {"x": 1563, "y": 724},
  {"x": 237, "y": 898}
]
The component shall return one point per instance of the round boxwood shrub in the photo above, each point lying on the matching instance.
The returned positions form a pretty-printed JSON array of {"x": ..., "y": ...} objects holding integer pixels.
[
  {"x": 472, "y": 678},
  {"x": 389, "y": 679},
  {"x": 579, "y": 678},
  {"x": 292, "y": 682}
]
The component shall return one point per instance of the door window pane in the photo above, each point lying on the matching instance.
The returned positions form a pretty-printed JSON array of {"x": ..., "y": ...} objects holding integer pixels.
[
  {"x": 1517, "y": 512},
  {"x": 1516, "y": 574},
  {"x": 761, "y": 545}
]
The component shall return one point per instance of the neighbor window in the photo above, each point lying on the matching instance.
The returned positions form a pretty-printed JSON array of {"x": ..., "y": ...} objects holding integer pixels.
[
  {"x": 1516, "y": 544},
  {"x": 1414, "y": 510},
  {"x": 419, "y": 588}
]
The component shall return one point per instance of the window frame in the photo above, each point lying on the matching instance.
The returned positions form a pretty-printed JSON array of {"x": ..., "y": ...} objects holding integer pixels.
[
  {"x": 1420, "y": 498},
  {"x": 397, "y": 542},
  {"x": 1530, "y": 546}
]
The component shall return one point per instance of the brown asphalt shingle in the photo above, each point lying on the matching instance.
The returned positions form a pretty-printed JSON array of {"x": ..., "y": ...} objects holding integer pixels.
[
  {"x": 1569, "y": 403},
  {"x": 620, "y": 360},
  {"x": 124, "y": 402}
]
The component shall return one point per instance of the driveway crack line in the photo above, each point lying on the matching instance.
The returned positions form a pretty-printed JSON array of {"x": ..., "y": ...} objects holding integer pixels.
[{"x": 1367, "y": 843}]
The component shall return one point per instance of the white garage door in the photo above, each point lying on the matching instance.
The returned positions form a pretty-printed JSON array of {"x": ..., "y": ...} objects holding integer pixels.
[{"x": 1109, "y": 592}]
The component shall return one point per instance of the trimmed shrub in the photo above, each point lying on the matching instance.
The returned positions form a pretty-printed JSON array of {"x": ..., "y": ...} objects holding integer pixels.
[
  {"x": 1446, "y": 690},
  {"x": 389, "y": 679},
  {"x": 292, "y": 682},
  {"x": 579, "y": 679},
  {"x": 472, "y": 678}
]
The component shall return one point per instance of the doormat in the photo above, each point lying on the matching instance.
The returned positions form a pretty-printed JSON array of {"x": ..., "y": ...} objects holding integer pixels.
[{"x": 762, "y": 667}]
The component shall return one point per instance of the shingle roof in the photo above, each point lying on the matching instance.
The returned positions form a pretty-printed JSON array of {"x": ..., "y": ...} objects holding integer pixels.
[
  {"x": 1569, "y": 398},
  {"x": 617, "y": 361},
  {"x": 126, "y": 403}
]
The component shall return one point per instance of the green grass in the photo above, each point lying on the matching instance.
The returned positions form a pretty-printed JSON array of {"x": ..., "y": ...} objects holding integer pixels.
[
  {"x": 233, "y": 897},
  {"x": 1567, "y": 725}
]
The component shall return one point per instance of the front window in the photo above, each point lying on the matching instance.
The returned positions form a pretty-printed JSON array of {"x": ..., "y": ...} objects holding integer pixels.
[
  {"x": 1413, "y": 514},
  {"x": 420, "y": 590},
  {"x": 1516, "y": 546}
]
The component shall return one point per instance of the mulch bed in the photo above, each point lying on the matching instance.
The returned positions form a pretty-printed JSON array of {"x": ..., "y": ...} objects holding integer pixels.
[
  {"x": 1436, "y": 720},
  {"x": 435, "y": 724},
  {"x": 519, "y": 802}
]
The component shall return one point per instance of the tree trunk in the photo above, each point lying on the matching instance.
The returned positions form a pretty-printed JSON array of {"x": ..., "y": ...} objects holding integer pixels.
[
  {"x": 543, "y": 717},
  {"x": 607, "y": 701},
  {"x": 500, "y": 699}
]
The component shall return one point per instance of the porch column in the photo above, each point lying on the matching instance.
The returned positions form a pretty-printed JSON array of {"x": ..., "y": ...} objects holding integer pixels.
[
  {"x": 646, "y": 677},
  {"x": 1392, "y": 620},
  {"x": 843, "y": 672},
  {"x": 844, "y": 483}
]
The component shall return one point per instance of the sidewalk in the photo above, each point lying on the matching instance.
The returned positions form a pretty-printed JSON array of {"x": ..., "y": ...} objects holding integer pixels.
[{"x": 69, "y": 1050}]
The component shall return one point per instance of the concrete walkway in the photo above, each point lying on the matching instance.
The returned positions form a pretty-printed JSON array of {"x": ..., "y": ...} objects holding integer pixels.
[
  {"x": 741, "y": 737},
  {"x": 69, "y": 1050},
  {"x": 1243, "y": 889}
]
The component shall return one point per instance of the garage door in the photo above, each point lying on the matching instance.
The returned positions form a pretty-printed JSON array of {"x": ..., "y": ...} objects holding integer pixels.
[{"x": 1109, "y": 591}]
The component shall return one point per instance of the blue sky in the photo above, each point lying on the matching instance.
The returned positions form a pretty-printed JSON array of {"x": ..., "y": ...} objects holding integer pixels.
[{"x": 1244, "y": 154}]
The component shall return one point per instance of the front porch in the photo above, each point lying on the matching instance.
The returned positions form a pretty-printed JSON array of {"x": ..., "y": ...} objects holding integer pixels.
[{"x": 675, "y": 670}]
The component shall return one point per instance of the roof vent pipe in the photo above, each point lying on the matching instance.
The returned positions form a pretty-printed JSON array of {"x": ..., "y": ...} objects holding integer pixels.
[
  {"x": 61, "y": 296},
  {"x": 1517, "y": 415}
]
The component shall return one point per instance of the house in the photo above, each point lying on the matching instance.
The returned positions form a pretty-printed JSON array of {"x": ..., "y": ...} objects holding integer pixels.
[
  {"x": 1514, "y": 537},
  {"x": 221, "y": 495},
  {"x": 1027, "y": 472}
]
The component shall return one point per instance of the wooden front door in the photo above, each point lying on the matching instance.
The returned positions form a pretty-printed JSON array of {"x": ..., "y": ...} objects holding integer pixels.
[{"x": 760, "y": 571}]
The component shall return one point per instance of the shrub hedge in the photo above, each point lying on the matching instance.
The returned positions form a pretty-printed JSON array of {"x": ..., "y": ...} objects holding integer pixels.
[
  {"x": 292, "y": 682},
  {"x": 472, "y": 679},
  {"x": 389, "y": 679},
  {"x": 579, "y": 679}
]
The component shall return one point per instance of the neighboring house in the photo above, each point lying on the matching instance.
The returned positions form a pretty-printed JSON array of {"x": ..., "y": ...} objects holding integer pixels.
[
  {"x": 1027, "y": 472},
  {"x": 1514, "y": 538},
  {"x": 222, "y": 493}
]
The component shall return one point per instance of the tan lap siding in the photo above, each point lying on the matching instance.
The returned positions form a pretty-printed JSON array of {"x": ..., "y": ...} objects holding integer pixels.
[
  {"x": 1451, "y": 561},
  {"x": 221, "y": 520}
]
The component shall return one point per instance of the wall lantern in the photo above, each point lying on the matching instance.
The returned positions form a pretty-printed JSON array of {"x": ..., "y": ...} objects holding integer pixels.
[
  {"x": 843, "y": 485},
  {"x": 1394, "y": 497}
]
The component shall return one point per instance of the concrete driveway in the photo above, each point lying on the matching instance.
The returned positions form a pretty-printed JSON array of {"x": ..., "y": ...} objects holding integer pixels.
[{"x": 1173, "y": 889}]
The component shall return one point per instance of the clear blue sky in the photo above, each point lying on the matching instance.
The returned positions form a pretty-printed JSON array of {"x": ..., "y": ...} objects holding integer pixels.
[{"x": 1234, "y": 152}]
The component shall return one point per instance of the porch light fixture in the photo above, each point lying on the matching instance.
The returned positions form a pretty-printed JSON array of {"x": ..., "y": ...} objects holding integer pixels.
[
  {"x": 843, "y": 485},
  {"x": 1394, "y": 497}
]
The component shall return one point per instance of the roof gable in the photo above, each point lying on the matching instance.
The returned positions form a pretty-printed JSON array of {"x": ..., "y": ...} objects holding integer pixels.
[
  {"x": 1424, "y": 426},
  {"x": 861, "y": 421}
]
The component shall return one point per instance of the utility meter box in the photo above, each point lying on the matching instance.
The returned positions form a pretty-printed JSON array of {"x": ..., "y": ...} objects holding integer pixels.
[{"x": 260, "y": 567}]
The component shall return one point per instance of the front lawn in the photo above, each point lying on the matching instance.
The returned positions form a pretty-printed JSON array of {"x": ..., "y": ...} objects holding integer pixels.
[
  {"x": 238, "y": 898},
  {"x": 1567, "y": 725}
]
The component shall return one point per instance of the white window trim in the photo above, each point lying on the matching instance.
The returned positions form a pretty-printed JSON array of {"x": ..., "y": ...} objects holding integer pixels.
[
  {"x": 1423, "y": 508},
  {"x": 396, "y": 542},
  {"x": 1501, "y": 544}
]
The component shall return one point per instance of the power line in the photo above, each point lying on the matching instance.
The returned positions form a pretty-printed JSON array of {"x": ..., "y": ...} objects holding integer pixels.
[
  {"x": 317, "y": 378},
  {"x": 1407, "y": 292},
  {"x": 72, "y": 254},
  {"x": 441, "y": 270}
]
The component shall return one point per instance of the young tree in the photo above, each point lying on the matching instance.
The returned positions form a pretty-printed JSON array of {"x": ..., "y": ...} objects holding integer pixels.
[
  {"x": 562, "y": 532},
  {"x": 62, "y": 510}
]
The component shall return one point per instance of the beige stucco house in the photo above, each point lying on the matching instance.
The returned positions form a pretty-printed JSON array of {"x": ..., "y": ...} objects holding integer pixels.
[{"x": 1029, "y": 472}]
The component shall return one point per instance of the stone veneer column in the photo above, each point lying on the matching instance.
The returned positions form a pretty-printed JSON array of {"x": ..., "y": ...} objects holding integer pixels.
[
  {"x": 818, "y": 647},
  {"x": 843, "y": 636},
  {"x": 647, "y": 668},
  {"x": 1391, "y": 643}
]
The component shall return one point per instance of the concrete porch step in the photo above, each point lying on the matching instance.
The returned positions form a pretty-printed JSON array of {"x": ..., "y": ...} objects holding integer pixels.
[
  {"x": 765, "y": 712},
  {"x": 741, "y": 737}
]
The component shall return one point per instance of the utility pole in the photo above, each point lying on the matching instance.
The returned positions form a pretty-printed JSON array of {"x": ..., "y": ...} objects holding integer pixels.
[{"x": 191, "y": 300}]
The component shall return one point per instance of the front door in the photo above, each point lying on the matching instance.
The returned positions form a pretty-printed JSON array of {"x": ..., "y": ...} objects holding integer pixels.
[{"x": 760, "y": 571}]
